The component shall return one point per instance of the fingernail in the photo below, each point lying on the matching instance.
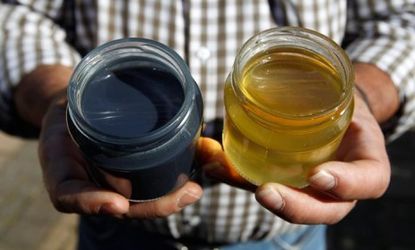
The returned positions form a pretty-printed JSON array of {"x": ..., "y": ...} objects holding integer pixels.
[
  {"x": 322, "y": 180},
  {"x": 272, "y": 197},
  {"x": 189, "y": 197}
]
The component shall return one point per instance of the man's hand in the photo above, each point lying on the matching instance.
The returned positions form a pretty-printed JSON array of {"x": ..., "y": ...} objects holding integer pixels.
[
  {"x": 42, "y": 96},
  {"x": 361, "y": 172},
  {"x": 70, "y": 189}
]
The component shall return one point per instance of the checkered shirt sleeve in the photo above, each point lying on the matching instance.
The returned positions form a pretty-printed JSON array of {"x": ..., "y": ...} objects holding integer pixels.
[
  {"x": 384, "y": 32},
  {"x": 207, "y": 34},
  {"x": 29, "y": 37}
]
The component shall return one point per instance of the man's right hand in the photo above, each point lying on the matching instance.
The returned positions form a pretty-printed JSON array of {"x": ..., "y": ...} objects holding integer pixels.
[
  {"x": 41, "y": 100},
  {"x": 70, "y": 189}
]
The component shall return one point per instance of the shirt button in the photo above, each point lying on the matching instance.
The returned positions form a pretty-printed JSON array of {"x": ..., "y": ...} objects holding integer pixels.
[{"x": 203, "y": 54}]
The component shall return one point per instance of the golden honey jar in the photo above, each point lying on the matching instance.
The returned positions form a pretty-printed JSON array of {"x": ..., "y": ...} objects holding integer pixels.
[{"x": 288, "y": 102}]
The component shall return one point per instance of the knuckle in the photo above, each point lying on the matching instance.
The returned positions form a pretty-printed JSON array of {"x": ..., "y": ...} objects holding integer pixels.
[
  {"x": 383, "y": 185},
  {"x": 157, "y": 209},
  {"x": 164, "y": 211},
  {"x": 71, "y": 204},
  {"x": 343, "y": 194},
  {"x": 334, "y": 221},
  {"x": 296, "y": 218},
  {"x": 59, "y": 204},
  {"x": 150, "y": 211},
  {"x": 341, "y": 213}
]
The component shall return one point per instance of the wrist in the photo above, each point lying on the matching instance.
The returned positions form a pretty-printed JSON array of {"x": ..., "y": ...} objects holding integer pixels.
[
  {"x": 38, "y": 89},
  {"x": 362, "y": 95},
  {"x": 377, "y": 90}
]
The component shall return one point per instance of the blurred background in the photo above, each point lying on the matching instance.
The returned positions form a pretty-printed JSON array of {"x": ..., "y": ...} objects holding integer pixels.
[{"x": 28, "y": 220}]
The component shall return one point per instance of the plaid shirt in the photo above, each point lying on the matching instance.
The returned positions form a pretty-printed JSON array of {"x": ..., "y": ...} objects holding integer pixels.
[{"x": 208, "y": 34}]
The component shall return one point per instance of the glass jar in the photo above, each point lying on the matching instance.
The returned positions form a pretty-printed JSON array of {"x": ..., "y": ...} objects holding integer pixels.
[
  {"x": 136, "y": 114},
  {"x": 288, "y": 101}
]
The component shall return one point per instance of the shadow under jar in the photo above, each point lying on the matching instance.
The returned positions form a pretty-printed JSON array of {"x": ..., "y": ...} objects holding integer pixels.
[
  {"x": 289, "y": 101},
  {"x": 136, "y": 114}
]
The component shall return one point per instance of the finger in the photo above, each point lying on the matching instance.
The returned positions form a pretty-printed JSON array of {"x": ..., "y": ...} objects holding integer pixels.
[
  {"x": 362, "y": 140},
  {"x": 302, "y": 206},
  {"x": 362, "y": 179},
  {"x": 228, "y": 175},
  {"x": 216, "y": 165},
  {"x": 209, "y": 150},
  {"x": 172, "y": 203},
  {"x": 83, "y": 197},
  {"x": 65, "y": 177},
  {"x": 364, "y": 170}
]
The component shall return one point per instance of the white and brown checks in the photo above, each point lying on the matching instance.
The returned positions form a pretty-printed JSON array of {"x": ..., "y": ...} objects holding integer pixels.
[{"x": 207, "y": 34}]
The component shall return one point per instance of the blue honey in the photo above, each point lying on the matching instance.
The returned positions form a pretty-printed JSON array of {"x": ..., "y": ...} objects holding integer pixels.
[{"x": 135, "y": 113}]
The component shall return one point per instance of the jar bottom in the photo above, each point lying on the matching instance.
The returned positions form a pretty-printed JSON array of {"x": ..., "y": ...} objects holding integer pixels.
[{"x": 259, "y": 165}]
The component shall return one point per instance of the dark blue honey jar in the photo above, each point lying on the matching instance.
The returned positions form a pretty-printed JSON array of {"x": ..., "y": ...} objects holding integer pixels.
[{"x": 136, "y": 114}]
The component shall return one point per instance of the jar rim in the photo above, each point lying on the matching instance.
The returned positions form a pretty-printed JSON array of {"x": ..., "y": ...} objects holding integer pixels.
[
  {"x": 285, "y": 37},
  {"x": 95, "y": 57}
]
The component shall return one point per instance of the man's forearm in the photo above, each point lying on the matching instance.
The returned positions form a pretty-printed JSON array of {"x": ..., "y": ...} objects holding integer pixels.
[
  {"x": 382, "y": 95},
  {"x": 37, "y": 90}
]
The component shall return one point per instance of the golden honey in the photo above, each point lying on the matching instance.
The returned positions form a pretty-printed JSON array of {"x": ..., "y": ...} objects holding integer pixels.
[{"x": 287, "y": 109}]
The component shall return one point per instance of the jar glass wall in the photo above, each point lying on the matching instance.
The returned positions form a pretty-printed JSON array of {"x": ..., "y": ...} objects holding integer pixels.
[
  {"x": 288, "y": 104},
  {"x": 136, "y": 113}
]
